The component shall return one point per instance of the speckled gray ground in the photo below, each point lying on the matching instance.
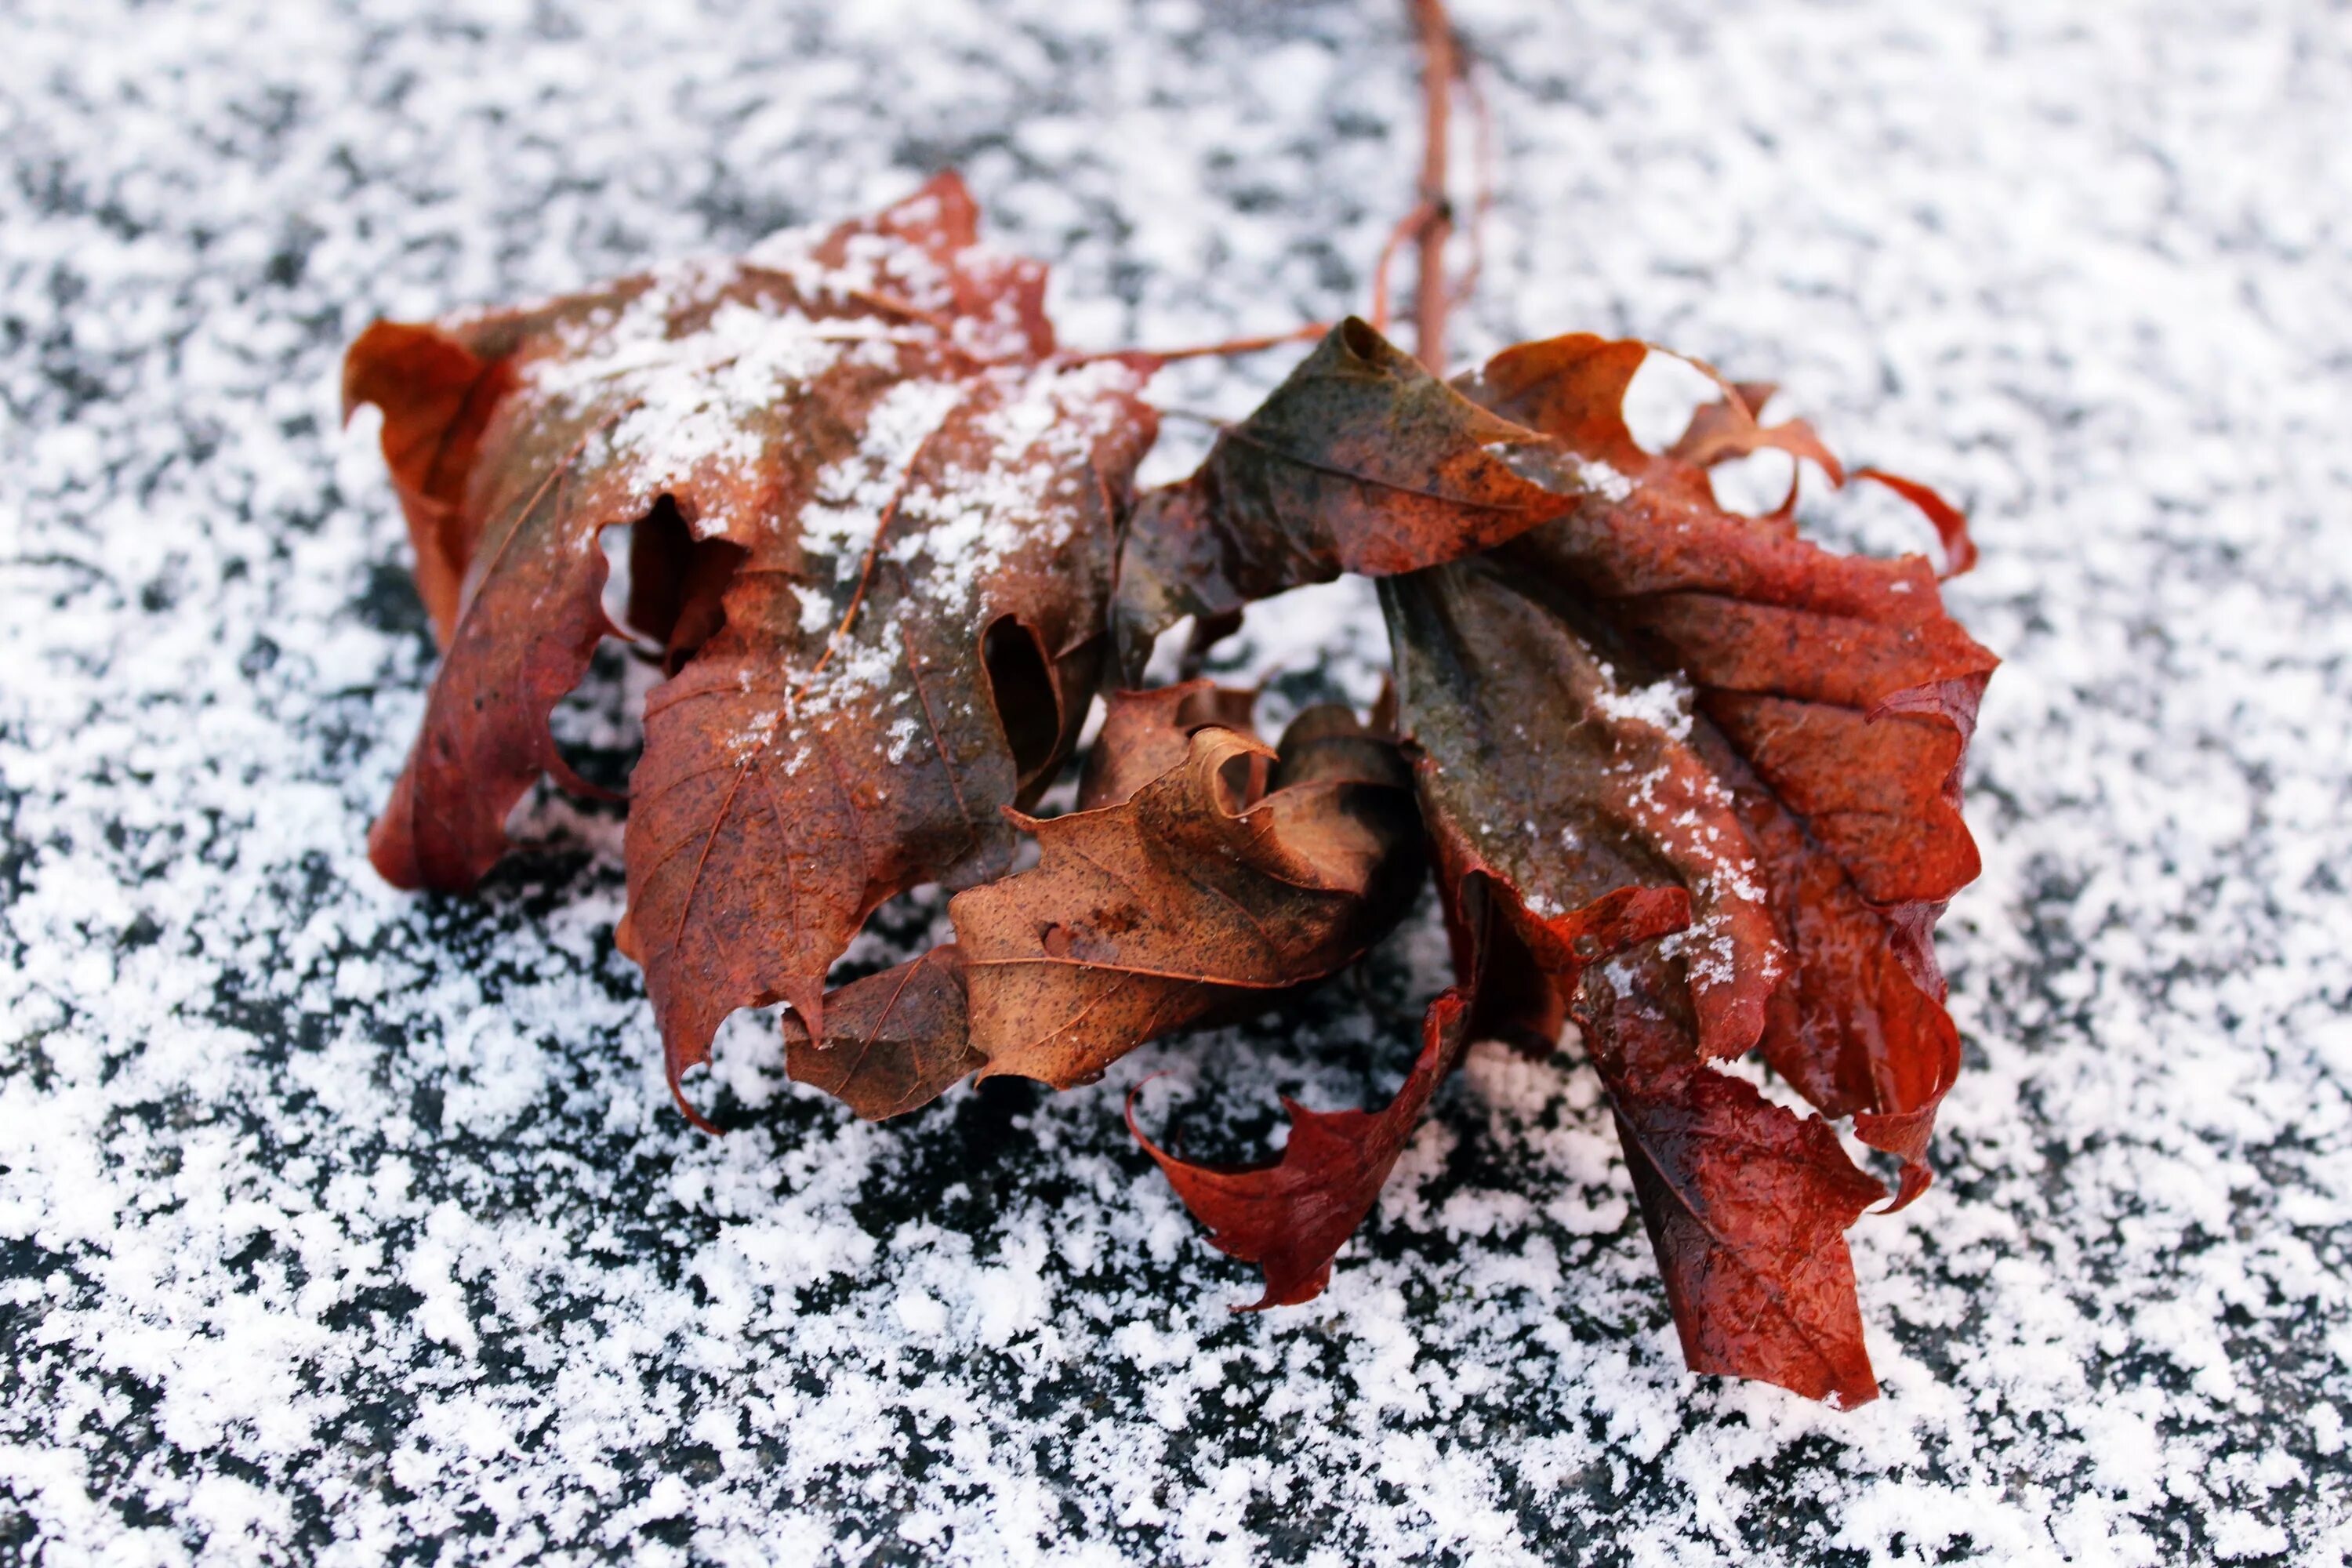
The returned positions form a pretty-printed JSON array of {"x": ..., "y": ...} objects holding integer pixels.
[{"x": 341, "y": 1227}]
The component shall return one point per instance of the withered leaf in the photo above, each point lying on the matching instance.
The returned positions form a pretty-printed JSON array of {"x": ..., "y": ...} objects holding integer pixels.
[
  {"x": 1684, "y": 777},
  {"x": 1831, "y": 700},
  {"x": 1237, "y": 873},
  {"x": 1747, "y": 1204},
  {"x": 883, "y": 608},
  {"x": 1729, "y": 428},
  {"x": 1640, "y": 713},
  {"x": 1549, "y": 768},
  {"x": 1359, "y": 461},
  {"x": 1206, "y": 890},
  {"x": 436, "y": 395},
  {"x": 1146, "y": 733}
]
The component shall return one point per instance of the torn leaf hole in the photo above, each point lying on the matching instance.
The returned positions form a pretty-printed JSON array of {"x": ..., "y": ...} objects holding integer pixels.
[
  {"x": 1028, "y": 703},
  {"x": 676, "y": 583}
]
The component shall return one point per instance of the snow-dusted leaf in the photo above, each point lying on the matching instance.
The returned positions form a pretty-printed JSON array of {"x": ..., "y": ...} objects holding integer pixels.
[
  {"x": 1829, "y": 700},
  {"x": 1638, "y": 715},
  {"x": 877, "y": 513}
]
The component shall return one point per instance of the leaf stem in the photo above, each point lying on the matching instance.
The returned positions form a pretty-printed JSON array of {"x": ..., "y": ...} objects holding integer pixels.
[
  {"x": 1482, "y": 144},
  {"x": 1209, "y": 351},
  {"x": 1440, "y": 65},
  {"x": 1407, "y": 227}
]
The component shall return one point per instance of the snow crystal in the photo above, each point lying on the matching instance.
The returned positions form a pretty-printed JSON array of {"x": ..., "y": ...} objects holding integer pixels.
[
  {"x": 1603, "y": 479},
  {"x": 851, "y": 494},
  {"x": 1663, "y": 705}
]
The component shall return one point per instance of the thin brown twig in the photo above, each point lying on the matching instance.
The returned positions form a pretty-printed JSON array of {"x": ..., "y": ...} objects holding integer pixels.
[
  {"x": 1439, "y": 68},
  {"x": 1482, "y": 142},
  {"x": 1209, "y": 351},
  {"x": 1409, "y": 228}
]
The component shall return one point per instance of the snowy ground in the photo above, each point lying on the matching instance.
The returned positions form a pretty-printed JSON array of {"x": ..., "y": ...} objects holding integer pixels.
[{"x": 343, "y": 1226}]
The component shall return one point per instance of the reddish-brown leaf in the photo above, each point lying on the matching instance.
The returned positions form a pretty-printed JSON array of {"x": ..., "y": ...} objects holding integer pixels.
[
  {"x": 1831, "y": 700},
  {"x": 1639, "y": 712},
  {"x": 436, "y": 395},
  {"x": 1951, "y": 527},
  {"x": 1745, "y": 1202},
  {"x": 894, "y": 1042},
  {"x": 1360, "y": 461},
  {"x": 1291, "y": 1215},
  {"x": 1197, "y": 894},
  {"x": 1146, "y": 733},
  {"x": 1570, "y": 776},
  {"x": 878, "y": 511}
]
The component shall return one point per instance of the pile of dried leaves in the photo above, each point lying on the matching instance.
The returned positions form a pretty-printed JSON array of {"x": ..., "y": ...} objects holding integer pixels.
[{"x": 1682, "y": 777}]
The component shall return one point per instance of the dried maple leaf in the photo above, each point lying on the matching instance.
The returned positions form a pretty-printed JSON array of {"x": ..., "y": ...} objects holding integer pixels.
[
  {"x": 1235, "y": 873},
  {"x": 1204, "y": 890},
  {"x": 877, "y": 514},
  {"x": 1747, "y": 1204},
  {"x": 1638, "y": 713},
  {"x": 1729, "y": 428},
  {"x": 1146, "y": 733},
  {"x": 1359, "y": 461},
  {"x": 1825, "y": 702}
]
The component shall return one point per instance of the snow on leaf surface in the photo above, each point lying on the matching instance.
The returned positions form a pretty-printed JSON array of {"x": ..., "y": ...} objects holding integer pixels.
[{"x": 908, "y": 499}]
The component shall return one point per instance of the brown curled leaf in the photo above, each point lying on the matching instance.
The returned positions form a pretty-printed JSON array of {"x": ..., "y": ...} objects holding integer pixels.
[
  {"x": 1260, "y": 869},
  {"x": 1146, "y": 733},
  {"x": 1202, "y": 892},
  {"x": 878, "y": 515},
  {"x": 894, "y": 1041},
  {"x": 1360, "y": 461}
]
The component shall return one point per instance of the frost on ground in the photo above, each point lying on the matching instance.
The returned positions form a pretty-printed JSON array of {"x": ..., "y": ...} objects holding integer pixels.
[{"x": 342, "y": 1226}]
